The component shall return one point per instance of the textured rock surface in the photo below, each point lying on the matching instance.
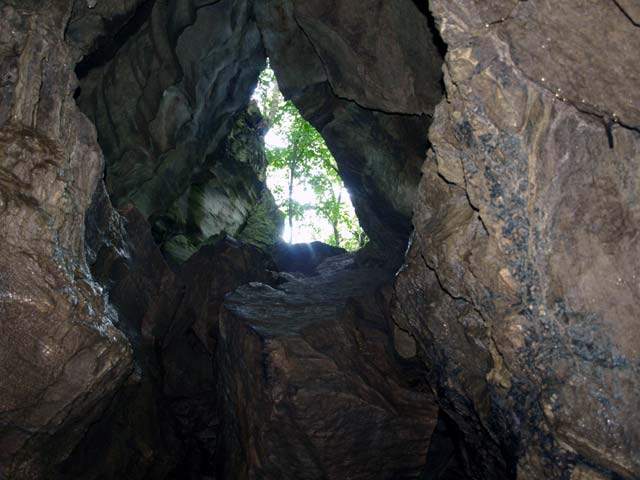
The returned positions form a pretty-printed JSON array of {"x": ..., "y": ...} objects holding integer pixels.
[
  {"x": 167, "y": 109},
  {"x": 309, "y": 384},
  {"x": 166, "y": 418},
  {"x": 136, "y": 436},
  {"x": 303, "y": 257},
  {"x": 162, "y": 117},
  {"x": 98, "y": 27},
  {"x": 521, "y": 282},
  {"x": 520, "y": 290},
  {"x": 367, "y": 75},
  {"x": 60, "y": 356},
  {"x": 228, "y": 195}
]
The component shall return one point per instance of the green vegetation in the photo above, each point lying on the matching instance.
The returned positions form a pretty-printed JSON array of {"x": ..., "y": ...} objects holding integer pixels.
[{"x": 303, "y": 175}]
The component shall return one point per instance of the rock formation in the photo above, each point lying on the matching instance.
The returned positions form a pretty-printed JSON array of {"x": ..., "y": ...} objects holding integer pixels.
[
  {"x": 371, "y": 100},
  {"x": 521, "y": 277},
  {"x": 168, "y": 105},
  {"x": 61, "y": 357},
  {"x": 310, "y": 386},
  {"x": 153, "y": 327}
]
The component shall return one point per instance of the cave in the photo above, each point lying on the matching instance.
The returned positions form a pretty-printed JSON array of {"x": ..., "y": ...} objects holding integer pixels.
[{"x": 154, "y": 325}]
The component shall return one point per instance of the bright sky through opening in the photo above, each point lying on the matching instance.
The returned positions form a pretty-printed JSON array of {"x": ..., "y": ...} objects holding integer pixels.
[{"x": 313, "y": 227}]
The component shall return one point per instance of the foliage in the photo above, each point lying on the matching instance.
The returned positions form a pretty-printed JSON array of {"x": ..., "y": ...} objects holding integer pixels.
[{"x": 301, "y": 162}]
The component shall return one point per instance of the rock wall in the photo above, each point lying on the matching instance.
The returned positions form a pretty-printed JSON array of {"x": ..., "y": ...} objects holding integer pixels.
[
  {"x": 164, "y": 83},
  {"x": 164, "y": 423},
  {"x": 309, "y": 383},
  {"x": 162, "y": 117},
  {"x": 228, "y": 195},
  {"x": 168, "y": 108},
  {"x": 521, "y": 280},
  {"x": 61, "y": 358}
]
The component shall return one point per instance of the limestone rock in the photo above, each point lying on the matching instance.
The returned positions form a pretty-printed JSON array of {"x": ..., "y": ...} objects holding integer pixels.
[
  {"x": 303, "y": 257},
  {"x": 228, "y": 195},
  {"x": 164, "y": 103},
  {"x": 516, "y": 309},
  {"x": 309, "y": 385},
  {"x": 525, "y": 250},
  {"x": 61, "y": 358},
  {"x": 96, "y": 27}
]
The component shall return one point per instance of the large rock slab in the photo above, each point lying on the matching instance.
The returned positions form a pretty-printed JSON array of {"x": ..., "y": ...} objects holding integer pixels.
[
  {"x": 309, "y": 385},
  {"x": 525, "y": 254}
]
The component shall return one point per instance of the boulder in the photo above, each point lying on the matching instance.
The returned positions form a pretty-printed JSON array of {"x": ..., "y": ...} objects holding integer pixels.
[
  {"x": 303, "y": 257},
  {"x": 309, "y": 384}
]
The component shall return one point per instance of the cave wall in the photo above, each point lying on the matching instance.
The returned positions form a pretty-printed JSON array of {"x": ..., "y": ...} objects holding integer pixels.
[
  {"x": 168, "y": 106},
  {"x": 521, "y": 280},
  {"x": 165, "y": 422},
  {"x": 165, "y": 102},
  {"x": 166, "y": 85},
  {"x": 61, "y": 358}
]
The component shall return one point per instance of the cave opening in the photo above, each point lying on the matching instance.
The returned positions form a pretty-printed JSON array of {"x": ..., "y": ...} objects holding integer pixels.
[
  {"x": 253, "y": 223},
  {"x": 154, "y": 324},
  {"x": 303, "y": 174},
  {"x": 238, "y": 195}
]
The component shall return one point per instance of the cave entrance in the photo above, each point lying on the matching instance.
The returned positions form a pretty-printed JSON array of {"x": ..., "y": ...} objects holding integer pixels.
[
  {"x": 185, "y": 147},
  {"x": 303, "y": 175}
]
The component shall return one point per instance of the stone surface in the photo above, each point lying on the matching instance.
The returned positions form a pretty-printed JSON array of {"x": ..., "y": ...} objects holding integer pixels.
[
  {"x": 98, "y": 27},
  {"x": 166, "y": 418},
  {"x": 303, "y": 257},
  {"x": 400, "y": 74},
  {"x": 168, "y": 108},
  {"x": 517, "y": 302},
  {"x": 162, "y": 118},
  {"x": 136, "y": 437},
  {"x": 309, "y": 384},
  {"x": 61, "y": 358},
  {"x": 521, "y": 281},
  {"x": 227, "y": 196}
]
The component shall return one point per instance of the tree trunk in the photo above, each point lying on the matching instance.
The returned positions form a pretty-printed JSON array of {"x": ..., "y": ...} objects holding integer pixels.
[
  {"x": 336, "y": 220},
  {"x": 336, "y": 233},
  {"x": 290, "y": 214}
]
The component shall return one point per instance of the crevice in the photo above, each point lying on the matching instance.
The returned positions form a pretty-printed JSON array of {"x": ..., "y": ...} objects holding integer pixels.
[
  {"x": 442, "y": 286},
  {"x": 347, "y": 99},
  {"x": 438, "y": 41},
  {"x": 108, "y": 47},
  {"x": 625, "y": 13},
  {"x": 508, "y": 16}
]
